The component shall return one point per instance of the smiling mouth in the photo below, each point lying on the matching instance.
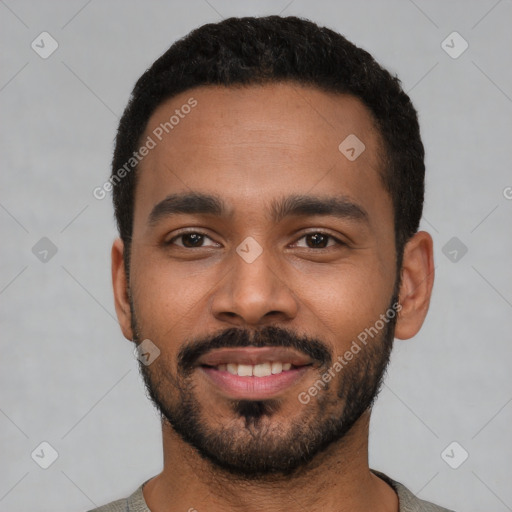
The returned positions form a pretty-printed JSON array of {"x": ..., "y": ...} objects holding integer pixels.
[{"x": 254, "y": 372}]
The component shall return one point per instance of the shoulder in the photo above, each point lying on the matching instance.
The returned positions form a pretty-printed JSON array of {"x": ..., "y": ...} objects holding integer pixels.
[
  {"x": 408, "y": 502},
  {"x": 134, "y": 503},
  {"x": 114, "y": 506}
]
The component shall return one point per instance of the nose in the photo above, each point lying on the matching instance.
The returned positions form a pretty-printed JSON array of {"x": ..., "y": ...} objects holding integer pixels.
[{"x": 254, "y": 293}]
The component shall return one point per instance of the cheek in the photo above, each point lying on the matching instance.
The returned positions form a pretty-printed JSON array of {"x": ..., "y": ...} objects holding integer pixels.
[
  {"x": 168, "y": 298},
  {"x": 344, "y": 300},
  {"x": 161, "y": 295}
]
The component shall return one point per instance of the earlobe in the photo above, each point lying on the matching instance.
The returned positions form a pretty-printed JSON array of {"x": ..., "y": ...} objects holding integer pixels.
[
  {"x": 416, "y": 285},
  {"x": 120, "y": 286}
]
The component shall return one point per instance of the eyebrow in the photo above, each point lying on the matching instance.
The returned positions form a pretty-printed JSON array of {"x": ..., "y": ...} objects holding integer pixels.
[
  {"x": 191, "y": 204},
  {"x": 305, "y": 206},
  {"x": 290, "y": 206}
]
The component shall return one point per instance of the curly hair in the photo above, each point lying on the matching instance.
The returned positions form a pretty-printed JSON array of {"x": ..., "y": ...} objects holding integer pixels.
[{"x": 250, "y": 50}]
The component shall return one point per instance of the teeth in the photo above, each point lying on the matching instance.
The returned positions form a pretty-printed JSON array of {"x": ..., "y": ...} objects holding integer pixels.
[
  {"x": 255, "y": 370},
  {"x": 262, "y": 370},
  {"x": 277, "y": 367},
  {"x": 245, "y": 370},
  {"x": 232, "y": 368}
]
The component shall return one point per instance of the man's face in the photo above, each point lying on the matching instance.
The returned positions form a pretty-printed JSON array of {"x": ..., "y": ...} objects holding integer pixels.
[{"x": 250, "y": 304}]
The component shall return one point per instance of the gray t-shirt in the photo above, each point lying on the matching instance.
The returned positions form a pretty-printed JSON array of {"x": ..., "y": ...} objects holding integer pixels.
[{"x": 406, "y": 499}]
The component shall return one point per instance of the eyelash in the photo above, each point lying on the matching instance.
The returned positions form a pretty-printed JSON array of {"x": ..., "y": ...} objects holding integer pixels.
[{"x": 329, "y": 236}]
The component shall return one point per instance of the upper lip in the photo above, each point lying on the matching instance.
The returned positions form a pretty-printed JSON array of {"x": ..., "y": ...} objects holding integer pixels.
[{"x": 254, "y": 355}]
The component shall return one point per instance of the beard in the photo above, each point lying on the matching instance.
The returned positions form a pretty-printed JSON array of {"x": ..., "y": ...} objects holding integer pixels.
[{"x": 254, "y": 438}]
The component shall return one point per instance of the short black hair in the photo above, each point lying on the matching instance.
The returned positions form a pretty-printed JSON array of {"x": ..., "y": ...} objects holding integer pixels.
[{"x": 259, "y": 50}]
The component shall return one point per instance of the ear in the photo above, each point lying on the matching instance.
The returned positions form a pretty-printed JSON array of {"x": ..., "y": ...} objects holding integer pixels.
[
  {"x": 120, "y": 285},
  {"x": 416, "y": 285}
]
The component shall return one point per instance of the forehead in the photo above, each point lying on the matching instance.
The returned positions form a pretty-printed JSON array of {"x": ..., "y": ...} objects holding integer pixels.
[{"x": 251, "y": 143}]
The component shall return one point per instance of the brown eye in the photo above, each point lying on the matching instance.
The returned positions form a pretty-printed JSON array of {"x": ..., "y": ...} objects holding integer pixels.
[
  {"x": 190, "y": 240},
  {"x": 319, "y": 240}
]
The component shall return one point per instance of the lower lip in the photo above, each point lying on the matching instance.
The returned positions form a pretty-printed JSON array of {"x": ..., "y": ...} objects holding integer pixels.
[{"x": 254, "y": 388}]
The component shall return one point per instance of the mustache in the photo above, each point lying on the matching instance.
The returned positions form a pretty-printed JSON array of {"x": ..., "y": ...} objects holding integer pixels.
[{"x": 270, "y": 336}]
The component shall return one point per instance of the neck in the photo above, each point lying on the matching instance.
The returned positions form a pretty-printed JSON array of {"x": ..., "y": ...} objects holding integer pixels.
[{"x": 337, "y": 480}]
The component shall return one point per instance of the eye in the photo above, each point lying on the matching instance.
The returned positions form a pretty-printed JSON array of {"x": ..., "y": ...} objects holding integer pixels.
[
  {"x": 190, "y": 240},
  {"x": 319, "y": 240}
]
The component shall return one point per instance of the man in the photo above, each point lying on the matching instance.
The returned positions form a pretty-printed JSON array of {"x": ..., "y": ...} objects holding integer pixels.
[{"x": 268, "y": 182}]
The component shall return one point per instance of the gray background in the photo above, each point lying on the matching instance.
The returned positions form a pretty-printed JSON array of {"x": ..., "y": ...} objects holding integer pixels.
[{"x": 67, "y": 375}]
